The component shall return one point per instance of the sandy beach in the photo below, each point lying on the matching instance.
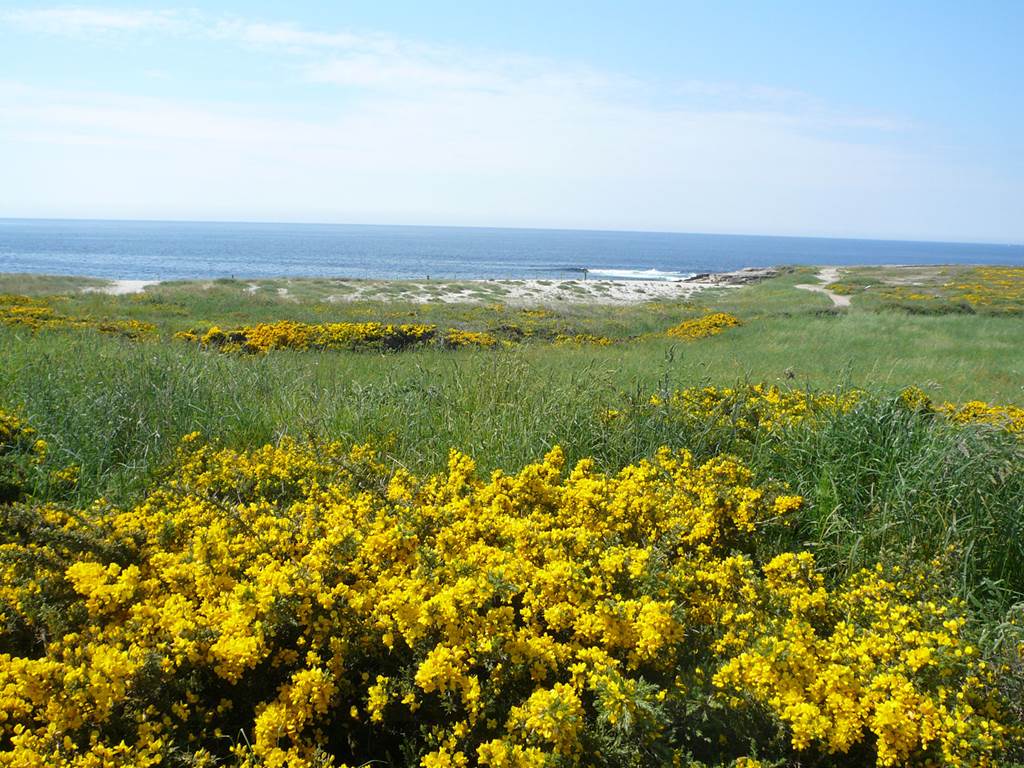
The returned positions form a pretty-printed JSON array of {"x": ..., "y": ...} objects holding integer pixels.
[
  {"x": 509, "y": 291},
  {"x": 122, "y": 287}
]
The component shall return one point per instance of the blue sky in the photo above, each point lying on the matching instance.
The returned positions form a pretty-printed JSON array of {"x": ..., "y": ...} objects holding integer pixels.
[{"x": 901, "y": 120}]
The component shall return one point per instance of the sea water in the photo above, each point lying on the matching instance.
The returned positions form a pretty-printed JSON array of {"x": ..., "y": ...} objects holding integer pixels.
[{"x": 156, "y": 250}]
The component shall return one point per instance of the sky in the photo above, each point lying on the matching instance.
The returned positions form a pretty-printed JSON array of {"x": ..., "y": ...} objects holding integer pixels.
[{"x": 861, "y": 119}]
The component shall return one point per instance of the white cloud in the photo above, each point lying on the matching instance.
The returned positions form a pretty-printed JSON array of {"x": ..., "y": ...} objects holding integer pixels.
[
  {"x": 75, "y": 21},
  {"x": 375, "y": 71}
]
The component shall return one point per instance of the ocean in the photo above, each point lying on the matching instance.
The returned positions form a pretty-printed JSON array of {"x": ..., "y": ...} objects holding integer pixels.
[{"x": 157, "y": 250}]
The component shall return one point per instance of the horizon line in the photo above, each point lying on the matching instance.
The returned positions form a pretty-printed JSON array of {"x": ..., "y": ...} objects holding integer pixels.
[{"x": 998, "y": 243}]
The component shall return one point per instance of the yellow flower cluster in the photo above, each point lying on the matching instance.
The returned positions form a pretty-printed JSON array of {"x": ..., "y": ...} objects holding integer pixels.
[
  {"x": 1007, "y": 417},
  {"x": 287, "y": 334},
  {"x": 709, "y": 325},
  {"x": 302, "y": 605},
  {"x": 862, "y": 674},
  {"x": 844, "y": 289},
  {"x": 17, "y": 435},
  {"x": 754, "y": 407},
  {"x": 581, "y": 339},
  {"x": 994, "y": 288},
  {"x": 765, "y": 408},
  {"x": 23, "y": 454},
  {"x": 35, "y": 314},
  {"x": 982, "y": 289},
  {"x": 455, "y": 337}
]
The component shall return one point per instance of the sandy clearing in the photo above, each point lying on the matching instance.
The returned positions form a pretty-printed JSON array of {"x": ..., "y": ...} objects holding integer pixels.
[
  {"x": 514, "y": 292},
  {"x": 533, "y": 292},
  {"x": 827, "y": 275},
  {"x": 122, "y": 287}
]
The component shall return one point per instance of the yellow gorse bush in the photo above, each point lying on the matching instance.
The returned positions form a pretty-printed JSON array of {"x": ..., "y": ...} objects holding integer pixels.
[
  {"x": 752, "y": 407},
  {"x": 999, "y": 288},
  {"x": 990, "y": 290},
  {"x": 844, "y": 289},
  {"x": 1007, "y": 417},
  {"x": 767, "y": 408},
  {"x": 36, "y": 314},
  {"x": 582, "y": 339},
  {"x": 23, "y": 455},
  {"x": 455, "y": 337},
  {"x": 709, "y": 325},
  {"x": 303, "y": 605},
  {"x": 831, "y": 687},
  {"x": 17, "y": 436},
  {"x": 288, "y": 334}
]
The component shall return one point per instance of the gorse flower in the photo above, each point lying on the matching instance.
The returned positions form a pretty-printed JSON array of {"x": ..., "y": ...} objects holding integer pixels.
[
  {"x": 709, "y": 325},
  {"x": 36, "y": 314},
  {"x": 302, "y": 604},
  {"x": 458, "y": 338},
  {"x": 23, "y": 458},
  {"x": 989, "y": 290},
  {"x": 582, "y": 339},
  {"x": 287, "y": 334},
  {"x": 753, "y": 407}
]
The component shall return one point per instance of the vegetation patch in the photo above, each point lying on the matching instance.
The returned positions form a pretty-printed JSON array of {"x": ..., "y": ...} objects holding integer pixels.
[
  {"x": 37, "y": 314},
  {"x": 701, "y": 327},
  {"x": 285, "y": 334},
  {"x": 304, "y": 604}
]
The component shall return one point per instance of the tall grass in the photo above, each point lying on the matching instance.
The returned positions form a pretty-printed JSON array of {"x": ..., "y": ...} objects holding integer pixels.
[
  {"x": 887, "y": 484},
  {"x": 882, "y": 483}
]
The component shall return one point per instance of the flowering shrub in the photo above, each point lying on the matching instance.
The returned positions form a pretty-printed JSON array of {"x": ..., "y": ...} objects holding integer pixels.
[
  {"x": 458, "y": 338},
  {"x": 753, "y": 407},
  {"x": 764, "y": 408},
  {"x": 303, "y": 605},
  {"x": 830, "y": 687},
  {"x": 287, "y": 334},
  {"x": 23, "y": 455},
  {"x": 709, "y": 325},
  {"x": 36, "y": 314},
  {"x": 990, "y": 290},
  {"x": 20, "y": 451},
  {"x": 1008, "y": 417},
  {"x": 581, "y": 339},
  {"x": 994, "y": 288},
  {"x": 844, "y": 289}
]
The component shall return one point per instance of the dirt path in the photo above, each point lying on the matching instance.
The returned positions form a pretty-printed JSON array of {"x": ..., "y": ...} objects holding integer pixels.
[{"x": 827, "y": 275}]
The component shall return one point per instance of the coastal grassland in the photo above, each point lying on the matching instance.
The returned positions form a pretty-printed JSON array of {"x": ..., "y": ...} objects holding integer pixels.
[
  {"x": 885, "y": 481},
  {"x": 119, "y": 408},
  {"x": 178, "y": 306},
  {"x": 984, "y": 290},
  {"x": 121, "y": 405},
  {"x": 36, "y": 285}
]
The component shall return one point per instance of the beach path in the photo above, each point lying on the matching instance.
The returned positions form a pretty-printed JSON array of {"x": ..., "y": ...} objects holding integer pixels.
[{"x": 826, "y": 276}]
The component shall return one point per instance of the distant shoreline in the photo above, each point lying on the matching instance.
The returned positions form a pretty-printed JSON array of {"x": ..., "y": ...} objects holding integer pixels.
[{"x": 510, "y": 290}]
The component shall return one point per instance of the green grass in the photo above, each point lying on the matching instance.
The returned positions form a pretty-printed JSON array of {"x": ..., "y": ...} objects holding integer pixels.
[
  {"x": 880, "y": 484},
  {"x": 35, "y": 285},
  {"x": 880, "y": 487}
]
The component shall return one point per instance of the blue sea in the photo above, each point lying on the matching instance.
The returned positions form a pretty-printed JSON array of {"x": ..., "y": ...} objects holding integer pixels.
[{"x": 157, "y": 250}]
